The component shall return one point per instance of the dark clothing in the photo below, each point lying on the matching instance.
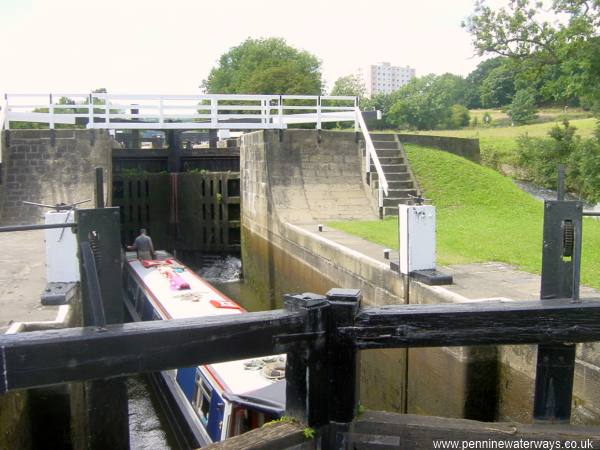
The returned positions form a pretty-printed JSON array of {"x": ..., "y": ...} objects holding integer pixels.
[{"x": 144, "y": 247}]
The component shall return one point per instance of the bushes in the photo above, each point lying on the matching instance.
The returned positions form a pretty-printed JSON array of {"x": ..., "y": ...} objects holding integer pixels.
[
  {"x": 538, "y": 159},
  {"x": 522, "y": 109},
  {"x": 459, "y": 117}
]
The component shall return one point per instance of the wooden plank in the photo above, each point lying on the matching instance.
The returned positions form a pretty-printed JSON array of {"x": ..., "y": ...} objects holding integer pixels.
[
  {"x": 476, "y": 323},
  {"x": 420, "y": 432},
  {"x": 60, "y": 356}
]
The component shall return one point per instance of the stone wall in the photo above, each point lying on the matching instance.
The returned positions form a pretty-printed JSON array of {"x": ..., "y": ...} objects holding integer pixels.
[
  {"x": 467, "y": 148},
  {"x": 50, "y": 167},
  {"x": 283, "y": 252}
]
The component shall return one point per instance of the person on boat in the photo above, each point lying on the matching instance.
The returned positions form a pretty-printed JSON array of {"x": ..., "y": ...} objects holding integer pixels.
[{"x": 143, "y": 246}]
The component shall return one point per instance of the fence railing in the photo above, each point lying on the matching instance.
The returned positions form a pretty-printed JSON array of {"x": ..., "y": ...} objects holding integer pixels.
[
  {"x": 210, "y": 111},
  {"x": 371, "y": 154}
]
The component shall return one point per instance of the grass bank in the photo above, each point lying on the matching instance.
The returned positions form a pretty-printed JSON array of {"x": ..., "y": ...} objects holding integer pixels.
[
  {"x": 498, "y": 144},
  {"x": 481, "y": 216}
]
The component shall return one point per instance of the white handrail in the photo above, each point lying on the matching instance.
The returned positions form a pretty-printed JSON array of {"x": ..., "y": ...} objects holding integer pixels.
[
  {"x": 372, "y": 154},
  {"x": 3, "y": 115},
  {"x": 115, "y": 111}
]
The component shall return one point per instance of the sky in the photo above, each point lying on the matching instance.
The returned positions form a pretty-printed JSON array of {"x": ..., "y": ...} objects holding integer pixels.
[{"x": 170, "y": 46}]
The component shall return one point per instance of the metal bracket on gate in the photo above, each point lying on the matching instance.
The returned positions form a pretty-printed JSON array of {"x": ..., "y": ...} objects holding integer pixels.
[{"x": 93, "y": 285}]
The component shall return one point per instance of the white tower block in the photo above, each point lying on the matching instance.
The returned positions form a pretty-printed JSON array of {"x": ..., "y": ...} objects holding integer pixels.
[
  {"x": 417, "y": 237},
  {"x": 62, "y": 264}
]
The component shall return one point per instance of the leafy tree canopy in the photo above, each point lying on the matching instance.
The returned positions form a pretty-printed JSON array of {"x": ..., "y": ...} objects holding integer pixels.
[
  {"x": 558, "y": 41},
  {"x": 498, "y": 88},
  {"x": 476, "y": 78},
  {"x": 522, "y": 109},
  {"x": 349, "y": 85},
  {"x": 265, "y": 66},
  {"x": 425, "y": 103}
]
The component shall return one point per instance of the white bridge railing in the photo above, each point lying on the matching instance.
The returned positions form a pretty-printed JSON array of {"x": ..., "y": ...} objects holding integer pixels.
[
  {"x": 187, "y": 112},
  {"x": 210, "y": 111},
  {"x": 371, "y": 154}
]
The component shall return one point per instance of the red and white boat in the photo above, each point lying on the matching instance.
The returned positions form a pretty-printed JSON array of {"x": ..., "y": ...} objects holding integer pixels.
[{"x": 207, "y": 403}]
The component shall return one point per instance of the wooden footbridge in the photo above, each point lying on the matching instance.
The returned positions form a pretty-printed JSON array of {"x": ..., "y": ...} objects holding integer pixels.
[
  {"x": 193, "y": 112},
  {"x": 322, "y": 336}
]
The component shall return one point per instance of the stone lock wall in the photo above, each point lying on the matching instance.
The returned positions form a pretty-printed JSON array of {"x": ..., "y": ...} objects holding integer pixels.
[
  {"x": 50, "y": 167},
  {"x": 283, "y": 252},
  {"x": 464, "y": 147}
]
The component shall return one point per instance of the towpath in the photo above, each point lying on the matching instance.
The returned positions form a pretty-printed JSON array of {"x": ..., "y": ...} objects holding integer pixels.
[
  {"x": 471, "y": 281},
  {"x": 23, "y": 278}
]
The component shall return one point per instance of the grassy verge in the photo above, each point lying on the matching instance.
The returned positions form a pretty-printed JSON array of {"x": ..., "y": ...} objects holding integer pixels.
[
  {"x": 498, "y": 144},
  {"x": 481, "y": 216}
]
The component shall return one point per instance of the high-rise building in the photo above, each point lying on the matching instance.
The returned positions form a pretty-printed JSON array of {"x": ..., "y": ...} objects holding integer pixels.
[{"x": 383, "y": 77}]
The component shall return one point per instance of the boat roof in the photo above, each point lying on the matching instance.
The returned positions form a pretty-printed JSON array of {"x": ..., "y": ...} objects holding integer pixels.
[{"x": 202, "y": 299}]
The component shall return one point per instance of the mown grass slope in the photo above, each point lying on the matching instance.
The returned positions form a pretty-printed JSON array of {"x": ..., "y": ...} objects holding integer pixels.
[
  {"x": 499, "y": 144},
  {"x": 481, "y": 216}
]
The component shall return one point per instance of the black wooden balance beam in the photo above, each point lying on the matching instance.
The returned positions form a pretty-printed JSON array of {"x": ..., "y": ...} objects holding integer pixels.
[
  {"x": 59, "y": 356},
  {"x": 476, "y": 323}
]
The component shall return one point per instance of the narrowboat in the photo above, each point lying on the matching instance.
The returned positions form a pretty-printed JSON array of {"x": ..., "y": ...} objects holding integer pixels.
[{"x": 207, "y": 403}]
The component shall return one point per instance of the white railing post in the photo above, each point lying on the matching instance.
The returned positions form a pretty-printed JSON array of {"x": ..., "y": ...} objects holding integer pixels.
[
  {"x": 106, "y": 110},
  {"x": 356, "y": 108},
  {"x": 280, "y": 112},
  {"x": 90, "y": 111},
  {"x": 214, "y": 112},
  {"x": 4, "y": 121},
  {"x": 51, "y": 113},
  {"x": 372, "y": 154},
  {"x": 319, "y": 112},
  {"x": 161, "y": 117}
]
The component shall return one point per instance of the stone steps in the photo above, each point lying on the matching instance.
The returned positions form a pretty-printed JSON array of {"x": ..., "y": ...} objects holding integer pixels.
[
  {"x": 400, "y": 197},
  {"x": 395, "y": 168},
  {"x": 382, "y": 152},
  {"x": 382, "y": 137},
  {"x": 389, "y": 160},
  {"x": 407, "y": 184},
  {"x": 385, "y": 145},
  {"x": 399, "y": 176}
]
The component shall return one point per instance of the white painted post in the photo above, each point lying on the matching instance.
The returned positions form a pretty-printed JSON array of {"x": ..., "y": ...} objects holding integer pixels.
[
  {"x": 4, "y": 119},
  {"x": 417, "y": 237},
  {"x": 90, "y": 112},
  {"x": 106, "y": 110},
  {"x": 319, "y": 112},
  {"x": 280, "y": 112},
  {"x": 214, "y": 111},
  {"x": 161, "y": 119},
  {"x": 51, "y": 113}
]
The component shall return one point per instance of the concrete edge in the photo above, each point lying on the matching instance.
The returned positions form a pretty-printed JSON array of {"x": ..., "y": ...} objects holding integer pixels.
[{"x": 63, "y": 318}]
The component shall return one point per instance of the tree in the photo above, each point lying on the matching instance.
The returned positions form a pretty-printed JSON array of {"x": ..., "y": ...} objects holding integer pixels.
[
  {"x": 498, "y": 88},
  {"x": 425, "y": 103},
  {"x": 522, "y": 109},
  {"x": 349, "y": 85},
  {"x": 459, "y": 117},
  {"x": 566, "y": 49},
  {"x": 475, "y": 79},
  {"x": 380, "y": 102},
  {"x": 265, "y": 66}
]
